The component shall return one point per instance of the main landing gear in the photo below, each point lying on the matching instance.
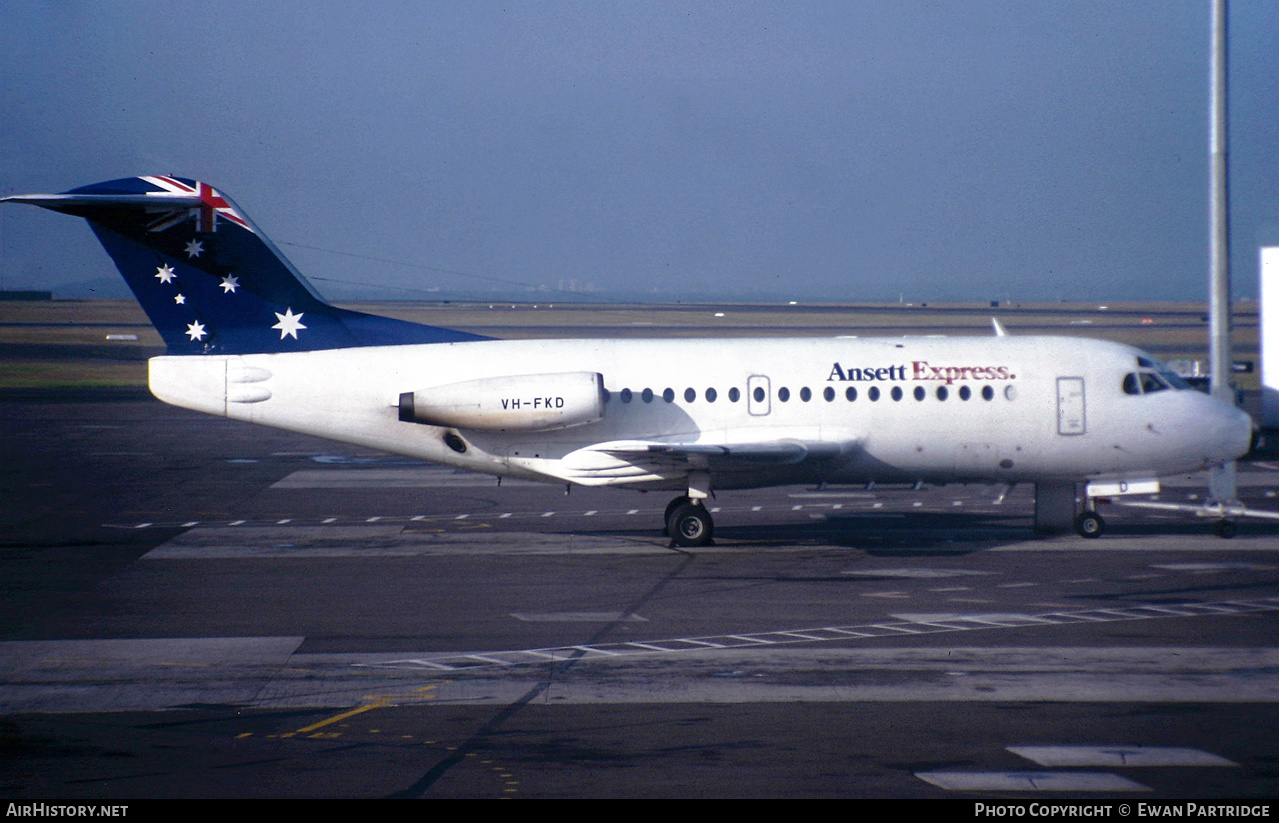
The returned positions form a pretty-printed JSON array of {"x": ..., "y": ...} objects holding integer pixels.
[{"x": 688, "y": 522}]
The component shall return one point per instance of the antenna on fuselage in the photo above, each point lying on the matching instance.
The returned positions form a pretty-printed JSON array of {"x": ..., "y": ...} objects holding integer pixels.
[{"x": 999, "y": 328}]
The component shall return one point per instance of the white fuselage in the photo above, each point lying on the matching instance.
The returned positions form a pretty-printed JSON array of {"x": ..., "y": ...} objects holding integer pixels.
[{"x": 988, "y": 409}]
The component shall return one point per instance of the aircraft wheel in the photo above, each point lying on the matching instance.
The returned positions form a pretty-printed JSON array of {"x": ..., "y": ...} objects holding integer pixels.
[
  {"x": 670, "y": 509},
  {"x": 1225, "y": 529},
  {"x": 1090, "y": 524},
  {"x": 690, "y": 525}
]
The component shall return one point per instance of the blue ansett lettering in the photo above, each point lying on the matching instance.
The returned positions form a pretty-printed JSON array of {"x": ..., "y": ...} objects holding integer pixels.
[{"x": 862, "y": 374}]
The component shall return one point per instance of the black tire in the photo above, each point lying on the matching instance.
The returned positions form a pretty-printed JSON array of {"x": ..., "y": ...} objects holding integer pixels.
[
  {"x": 1225, "y": 529},
  {"x": 1090, "y": 525},
  {"x": 670, "y": 509},
  {"x": 690, "y": 524}
]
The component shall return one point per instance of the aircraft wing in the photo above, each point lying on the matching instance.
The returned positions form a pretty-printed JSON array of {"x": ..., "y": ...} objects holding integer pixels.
[
  {"x": 729, "y": 456},
  {"x": 638, "y": 461}
]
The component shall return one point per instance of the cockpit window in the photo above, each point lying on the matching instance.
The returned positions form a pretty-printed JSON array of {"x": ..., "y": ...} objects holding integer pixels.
[
  {"x": 1164, "y": 377},
  {"x": 1148, "y": 382},
  {"x": 1151, "y": 382}
]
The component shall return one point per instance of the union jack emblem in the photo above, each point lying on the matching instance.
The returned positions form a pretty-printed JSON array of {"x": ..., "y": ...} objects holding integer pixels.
[{"x": 212, "y": 205}]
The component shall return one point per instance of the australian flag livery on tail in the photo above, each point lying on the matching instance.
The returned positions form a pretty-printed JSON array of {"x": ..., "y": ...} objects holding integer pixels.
[{"x": 210, "y": 282}]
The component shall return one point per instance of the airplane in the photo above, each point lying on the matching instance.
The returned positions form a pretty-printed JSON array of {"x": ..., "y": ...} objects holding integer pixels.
[{"x": 249, "y": 339}]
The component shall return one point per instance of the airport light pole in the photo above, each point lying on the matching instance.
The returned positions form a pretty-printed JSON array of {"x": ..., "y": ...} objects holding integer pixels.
[{"x": 1221, "y": 482}]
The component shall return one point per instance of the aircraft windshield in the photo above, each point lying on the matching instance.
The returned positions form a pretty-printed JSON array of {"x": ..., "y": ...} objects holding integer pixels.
[{"x": 1152, "y": 377}]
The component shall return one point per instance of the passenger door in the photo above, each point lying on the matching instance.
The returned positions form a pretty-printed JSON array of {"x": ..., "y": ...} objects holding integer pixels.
[{"x": 1071, "y": 413}]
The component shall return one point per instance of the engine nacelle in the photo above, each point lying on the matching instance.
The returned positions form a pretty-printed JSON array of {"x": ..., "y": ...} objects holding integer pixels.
[{"x": 524, "y": 402}]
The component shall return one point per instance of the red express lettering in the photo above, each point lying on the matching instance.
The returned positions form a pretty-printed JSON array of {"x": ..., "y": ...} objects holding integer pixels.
[{"x": 923, "y": 370}]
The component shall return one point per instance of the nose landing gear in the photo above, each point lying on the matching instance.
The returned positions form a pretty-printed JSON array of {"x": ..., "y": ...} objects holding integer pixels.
[{"x": 1090, "y": 524}]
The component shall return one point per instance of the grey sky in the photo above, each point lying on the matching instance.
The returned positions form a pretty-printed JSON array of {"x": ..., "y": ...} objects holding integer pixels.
[{"x": 842, "y": 151}]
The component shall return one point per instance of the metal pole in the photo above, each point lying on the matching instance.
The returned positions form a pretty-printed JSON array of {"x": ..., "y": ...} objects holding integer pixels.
[
  {"x": 1221, "y": 480},
  {"x": 1219, "y": 239}
]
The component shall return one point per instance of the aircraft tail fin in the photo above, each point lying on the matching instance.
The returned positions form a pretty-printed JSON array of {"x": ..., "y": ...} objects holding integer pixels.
[{"x": 210, "y": 281}]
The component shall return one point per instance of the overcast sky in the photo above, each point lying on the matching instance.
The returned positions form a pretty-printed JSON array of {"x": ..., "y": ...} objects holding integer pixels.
[{"x": 844, "y": 151}]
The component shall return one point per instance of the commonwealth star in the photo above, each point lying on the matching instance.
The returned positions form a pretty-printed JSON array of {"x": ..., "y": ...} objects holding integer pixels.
[{"x": 289, "y": 324}]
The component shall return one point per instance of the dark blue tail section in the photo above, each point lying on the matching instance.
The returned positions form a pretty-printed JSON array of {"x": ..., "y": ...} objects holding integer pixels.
[{"x": 210, "y": 282}]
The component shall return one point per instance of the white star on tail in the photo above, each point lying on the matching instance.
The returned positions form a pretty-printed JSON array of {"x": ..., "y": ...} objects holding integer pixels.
[
  {"x": 194, "y": 248},
  {"x": 196, "y": 330},
  {"x": 289, "y": 324},
  {"x": 229, "y": 284},
  {"x": 164, "y": 273},
  {"x": 180, "y": 299}
]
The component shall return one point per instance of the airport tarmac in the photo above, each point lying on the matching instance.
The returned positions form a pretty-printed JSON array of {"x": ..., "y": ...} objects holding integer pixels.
[
  {"x": 194, "y": 607},
  {"x": 198, "y": 608}
]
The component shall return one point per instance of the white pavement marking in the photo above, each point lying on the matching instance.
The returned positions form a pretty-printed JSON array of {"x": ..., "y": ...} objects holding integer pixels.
[
  {"x": 577, "y": 617},
  {"x": 1213, "y": 567},
  {"x": 841, "y": 495},
  {"x": 1030, "y": 782},
  {"x": 1059, "y": 756},
  {"x": 916, "y": 573},
  {"x": 930, "y": 624}
]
